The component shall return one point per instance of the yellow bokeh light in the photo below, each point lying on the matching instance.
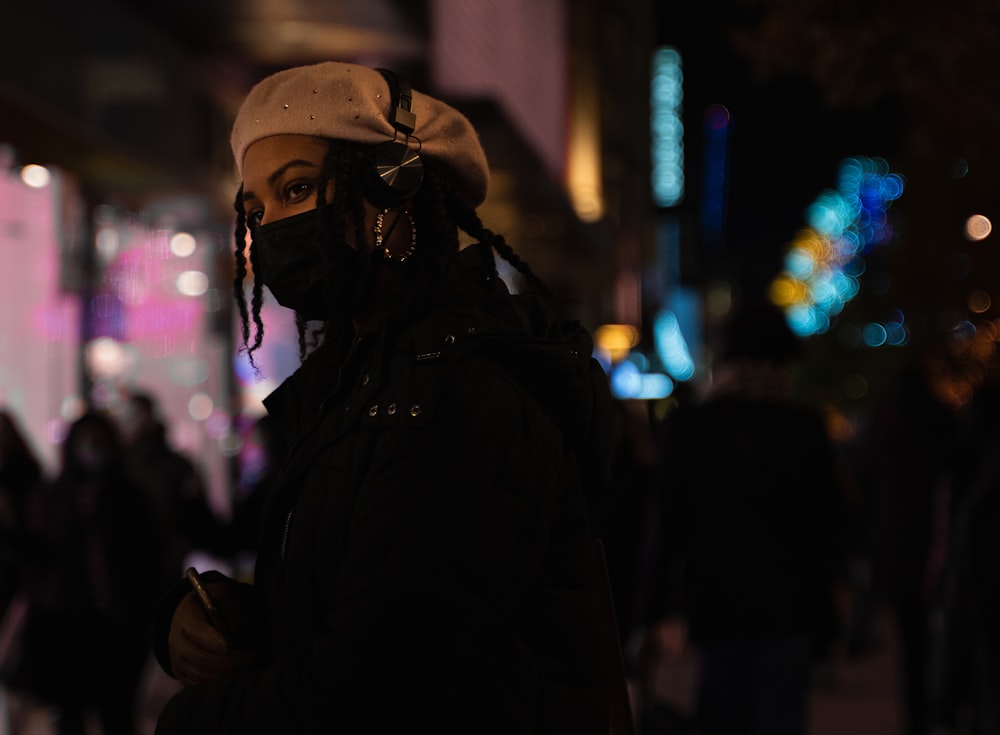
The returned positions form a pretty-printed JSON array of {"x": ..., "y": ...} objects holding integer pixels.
[
  {"x": 616, "y": 340},
  {"x": 786, "y": 290},
  {"x": 814, "y": 243},
  {"x": 584, "y": 162}
]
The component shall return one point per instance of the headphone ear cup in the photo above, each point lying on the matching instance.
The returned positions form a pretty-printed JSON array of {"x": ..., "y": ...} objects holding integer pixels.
[{"x": 393, "y": 173}]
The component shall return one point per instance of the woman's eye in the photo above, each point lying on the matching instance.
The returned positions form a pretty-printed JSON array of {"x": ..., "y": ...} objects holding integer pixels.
[
  {"x": 254, "y": 216},
  {"x": 297, "y": 190}
]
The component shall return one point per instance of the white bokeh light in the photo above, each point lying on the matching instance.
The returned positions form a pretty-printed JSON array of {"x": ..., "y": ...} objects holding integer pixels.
[
  {"x": 35, "y": 176},
  {"x": 192, "y": 283},
  {"x": 182, "y": 244}
]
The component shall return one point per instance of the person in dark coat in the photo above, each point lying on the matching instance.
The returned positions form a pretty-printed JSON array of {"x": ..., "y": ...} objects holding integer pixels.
[
  {"x": 751, "y": 508},
  {"x": 21, "y": 473},
  {"x": 903, "y": 465},
  {"x": 171, "y": 481},
  {"x": 964, "y": 660},
  {"x": 426, "y": 556},
  {"x": 261, "y": 453},
  {"x": 90, "y": 563}
]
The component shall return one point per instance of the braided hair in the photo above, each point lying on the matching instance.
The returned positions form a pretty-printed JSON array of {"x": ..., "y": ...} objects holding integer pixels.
[{"x": 438, "y": 215}]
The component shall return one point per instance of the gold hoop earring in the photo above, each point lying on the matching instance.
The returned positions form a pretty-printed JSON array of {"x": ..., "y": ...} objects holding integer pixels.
[{"x": 380, "y": 238}]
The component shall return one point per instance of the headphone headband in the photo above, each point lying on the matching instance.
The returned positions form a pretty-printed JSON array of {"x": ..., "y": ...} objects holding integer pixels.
[
  {"x": 400, "y": 114},
  {"x": 395, "y": 171}
]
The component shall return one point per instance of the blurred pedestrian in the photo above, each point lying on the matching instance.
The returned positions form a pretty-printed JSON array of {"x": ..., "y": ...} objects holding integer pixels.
[
  {"x": 259, "y": 459},
  {"x": 631, "y": 496},
  {"x": 965, "y": 683},
  {"x": 903, "y": 466},
  {"x": 750, "y": 508},
  {"x": 262, "y": 450},
  {"x": 21, "y": 473},
  {"x": 426, "y": 557},
  {"x": 89, "y": 564},
  {"x": 172, "y": 483}
]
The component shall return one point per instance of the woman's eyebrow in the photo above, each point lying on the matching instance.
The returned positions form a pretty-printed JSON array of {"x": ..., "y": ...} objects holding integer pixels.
[{"x": 278, "y": 172}]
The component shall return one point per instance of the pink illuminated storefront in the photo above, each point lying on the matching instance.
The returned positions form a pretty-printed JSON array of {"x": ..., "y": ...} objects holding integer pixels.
[
  {"x": 154, "y": 317},
  {"x": 39, "y": 323}
]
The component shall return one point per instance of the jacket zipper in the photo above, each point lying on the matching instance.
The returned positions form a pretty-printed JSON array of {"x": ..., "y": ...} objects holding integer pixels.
[
  {"x": 301, "y": 438},
  {"x": 284, "y": 535},
  {"x": 298, "y": 441}
]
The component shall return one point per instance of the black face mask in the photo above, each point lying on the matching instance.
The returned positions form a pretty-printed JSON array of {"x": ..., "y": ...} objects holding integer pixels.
[{"x": 292, "y": 266}]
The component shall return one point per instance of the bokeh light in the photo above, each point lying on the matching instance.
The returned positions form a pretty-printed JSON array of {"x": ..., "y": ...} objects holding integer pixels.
[
  {"x": 182, "y": 244},
  {"x": 823, "y": 263},
  {"x": 979, "y": 301},
  {"x": 978, "y": 227},
  {"x": 35, "y": 176},
  {"x": 200, "y": 406},
  {"x": 192, "y": 283},
  {"x": 615, "y": 340}
]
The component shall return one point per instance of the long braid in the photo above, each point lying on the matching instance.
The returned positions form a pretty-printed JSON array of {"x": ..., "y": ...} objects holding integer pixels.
[
  {"x": 467, "y": 219},
  {"x": 246, "y": 315},
  {"x": 239, "y": 240},
  {"x": 302, "y": 327}
]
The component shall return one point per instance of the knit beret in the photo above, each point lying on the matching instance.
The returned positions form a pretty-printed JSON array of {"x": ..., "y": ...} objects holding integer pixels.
[{"x": 350, "y": 102}]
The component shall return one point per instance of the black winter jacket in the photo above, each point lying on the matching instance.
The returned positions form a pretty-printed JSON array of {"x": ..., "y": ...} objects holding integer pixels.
[{"x": 425, "y": 554}]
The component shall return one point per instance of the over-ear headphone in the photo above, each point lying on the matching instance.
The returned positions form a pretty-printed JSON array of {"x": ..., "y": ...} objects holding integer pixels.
[{"x": 394, "y": 170}]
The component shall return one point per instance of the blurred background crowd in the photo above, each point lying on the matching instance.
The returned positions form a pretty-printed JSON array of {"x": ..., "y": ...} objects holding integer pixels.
[{"x": 668, "y": 168}]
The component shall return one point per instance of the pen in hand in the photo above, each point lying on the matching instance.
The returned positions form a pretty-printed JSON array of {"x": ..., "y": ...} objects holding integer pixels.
[{"x": 211, "y": 609}]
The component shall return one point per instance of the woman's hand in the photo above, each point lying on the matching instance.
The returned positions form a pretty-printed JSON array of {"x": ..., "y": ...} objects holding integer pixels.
[{"x": 203, "y": 649}]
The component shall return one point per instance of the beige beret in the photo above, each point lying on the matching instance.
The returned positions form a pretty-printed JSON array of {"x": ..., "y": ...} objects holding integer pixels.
[{"x": 351, "y": 102}]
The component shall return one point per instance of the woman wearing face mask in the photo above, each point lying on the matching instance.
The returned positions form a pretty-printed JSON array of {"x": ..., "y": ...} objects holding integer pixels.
[{"x": 425, "y": 551}]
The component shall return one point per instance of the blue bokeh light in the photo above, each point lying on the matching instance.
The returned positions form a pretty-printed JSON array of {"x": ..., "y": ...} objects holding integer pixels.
[{"x": 849, "y": 223}]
